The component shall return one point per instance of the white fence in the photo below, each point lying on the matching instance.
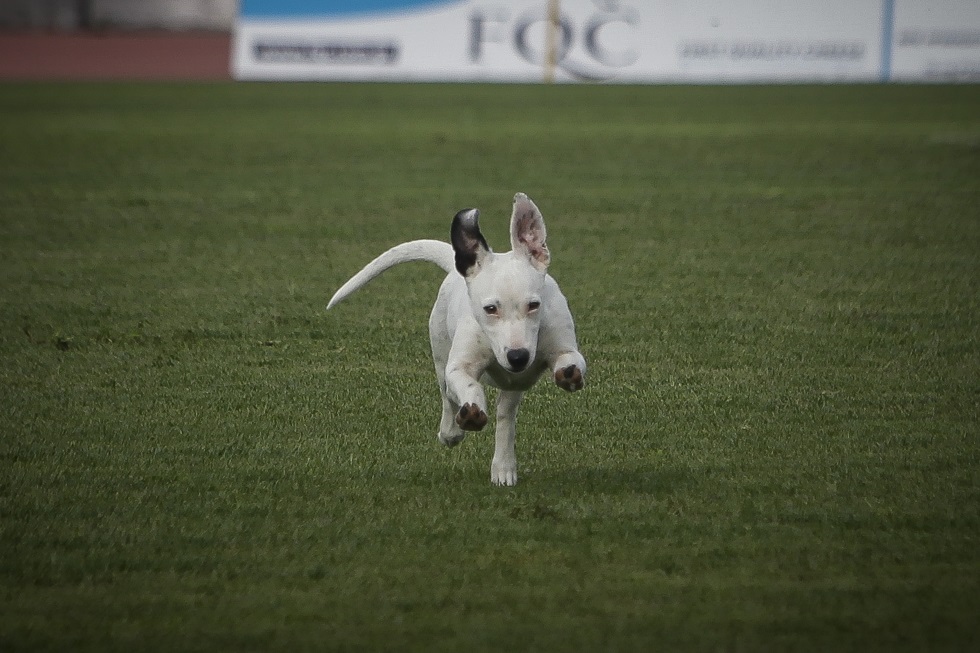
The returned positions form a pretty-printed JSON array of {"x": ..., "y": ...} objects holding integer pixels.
[{"x": 615, "y": 41}]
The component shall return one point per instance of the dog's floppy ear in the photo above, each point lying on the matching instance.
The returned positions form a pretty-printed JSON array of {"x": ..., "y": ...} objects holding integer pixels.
[
  {"x": 468, "y": 243},
  {"x": 527, "y": 232}
]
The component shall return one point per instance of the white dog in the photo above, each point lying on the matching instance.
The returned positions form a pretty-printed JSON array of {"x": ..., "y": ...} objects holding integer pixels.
[{"x": 499, "y": 319}]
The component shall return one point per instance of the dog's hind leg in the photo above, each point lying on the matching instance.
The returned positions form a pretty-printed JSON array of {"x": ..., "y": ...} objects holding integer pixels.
[
  {"x": 450, "y": 434},
  {"x": 503, "y": 469}
]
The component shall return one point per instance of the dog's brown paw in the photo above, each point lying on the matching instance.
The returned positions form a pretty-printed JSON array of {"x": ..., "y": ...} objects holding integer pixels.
[
  {"x": 570, "y": 378},
  {"x": 471, "y": 418}
]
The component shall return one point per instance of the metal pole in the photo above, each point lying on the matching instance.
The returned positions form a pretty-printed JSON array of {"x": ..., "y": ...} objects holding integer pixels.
[
  {"x": 84, "y": 9},
  {"x": 551, "y": 40}
]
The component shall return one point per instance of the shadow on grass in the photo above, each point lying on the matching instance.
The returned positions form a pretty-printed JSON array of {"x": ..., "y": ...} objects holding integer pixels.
[{"x": 638, "y": 478}]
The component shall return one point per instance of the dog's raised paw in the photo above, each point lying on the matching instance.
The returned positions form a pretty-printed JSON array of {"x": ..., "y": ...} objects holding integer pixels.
[
  {"x": 570, "y": 378},
  {"x": 471, "y": 418}
]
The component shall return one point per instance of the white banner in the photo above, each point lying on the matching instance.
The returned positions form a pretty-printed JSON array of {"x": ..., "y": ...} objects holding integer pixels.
[
  {"x": 616, "y": 41},
  {"x": 935, "y": 41}
]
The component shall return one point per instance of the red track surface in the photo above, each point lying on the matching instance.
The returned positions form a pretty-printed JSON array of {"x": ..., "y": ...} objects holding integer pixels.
[{"x": 114, "y": 55}]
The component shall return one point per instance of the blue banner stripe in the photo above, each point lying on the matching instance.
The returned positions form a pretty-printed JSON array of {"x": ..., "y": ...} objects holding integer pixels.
[{"x": 330, "y": 8}]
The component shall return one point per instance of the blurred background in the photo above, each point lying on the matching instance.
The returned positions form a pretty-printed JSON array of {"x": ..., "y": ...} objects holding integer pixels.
[
  {"x": 624, "y": 41},
  {"x": 65, "y": 15},
  {"x": 116, "y": 39}
]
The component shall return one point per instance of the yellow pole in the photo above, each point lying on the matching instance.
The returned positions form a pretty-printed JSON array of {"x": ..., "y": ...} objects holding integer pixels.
[{"x": 551, "y": 40}]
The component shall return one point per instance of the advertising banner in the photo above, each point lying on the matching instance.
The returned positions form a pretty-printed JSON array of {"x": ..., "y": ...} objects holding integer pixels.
[
  {"x": 935, "y": 41},
  {"x": 612, "y": 41}
]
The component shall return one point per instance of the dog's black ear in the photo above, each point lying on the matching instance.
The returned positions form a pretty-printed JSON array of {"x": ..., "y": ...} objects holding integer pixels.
[
  {"x": 468, "y": 243},
  {"x": 527, "y": 232}
]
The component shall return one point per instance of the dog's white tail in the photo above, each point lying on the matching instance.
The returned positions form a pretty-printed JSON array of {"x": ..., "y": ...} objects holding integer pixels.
[{"x": 433, "y": 251}]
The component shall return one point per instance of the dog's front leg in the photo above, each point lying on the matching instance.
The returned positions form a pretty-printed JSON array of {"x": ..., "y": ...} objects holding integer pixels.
[
  {"x": 557, "y": 338},
  {"x": 569, "y": 371},
  {"x": 503, "y": 469},
  {"x": 462, "y": 381}
]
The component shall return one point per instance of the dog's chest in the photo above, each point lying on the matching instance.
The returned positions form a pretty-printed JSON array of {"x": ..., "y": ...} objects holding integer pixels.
[{"x": 498, "y": 377}]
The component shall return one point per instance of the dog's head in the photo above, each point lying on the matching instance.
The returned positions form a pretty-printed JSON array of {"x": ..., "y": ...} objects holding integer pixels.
[{"x": 505, "y": 290}]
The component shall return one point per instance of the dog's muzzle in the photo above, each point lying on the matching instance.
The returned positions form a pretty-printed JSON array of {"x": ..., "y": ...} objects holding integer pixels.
[{"x": 518, "y": 359}]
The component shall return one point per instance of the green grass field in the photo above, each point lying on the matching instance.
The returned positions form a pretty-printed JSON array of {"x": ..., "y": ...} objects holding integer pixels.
[{"x": 777, "y": 290}]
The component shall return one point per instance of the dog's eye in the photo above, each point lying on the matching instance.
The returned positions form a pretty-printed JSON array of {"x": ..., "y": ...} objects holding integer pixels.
[
  {"x": 490, "y": 309},
  {"x": 533, "y": 306}
]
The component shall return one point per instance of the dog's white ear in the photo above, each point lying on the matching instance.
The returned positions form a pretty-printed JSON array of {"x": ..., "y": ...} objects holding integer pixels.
[
  {"x": 527, "y": 232},
  {"x": 468, "y": 243}
]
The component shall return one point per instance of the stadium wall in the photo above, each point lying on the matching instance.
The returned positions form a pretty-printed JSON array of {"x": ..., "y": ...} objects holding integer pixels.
[
  {"x": 613, "y": 41},
  {"x": 68, "y": 15}
]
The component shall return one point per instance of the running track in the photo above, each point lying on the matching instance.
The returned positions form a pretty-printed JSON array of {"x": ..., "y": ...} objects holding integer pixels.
[{"x": 148, "y": 55}]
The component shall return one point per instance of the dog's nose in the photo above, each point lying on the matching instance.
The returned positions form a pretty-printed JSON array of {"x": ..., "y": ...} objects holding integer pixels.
[{"x": 518, "y": 359}]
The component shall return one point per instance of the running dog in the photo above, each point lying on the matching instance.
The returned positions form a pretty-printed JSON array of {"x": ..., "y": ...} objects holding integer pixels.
[{"x": 499, "y": 319}]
